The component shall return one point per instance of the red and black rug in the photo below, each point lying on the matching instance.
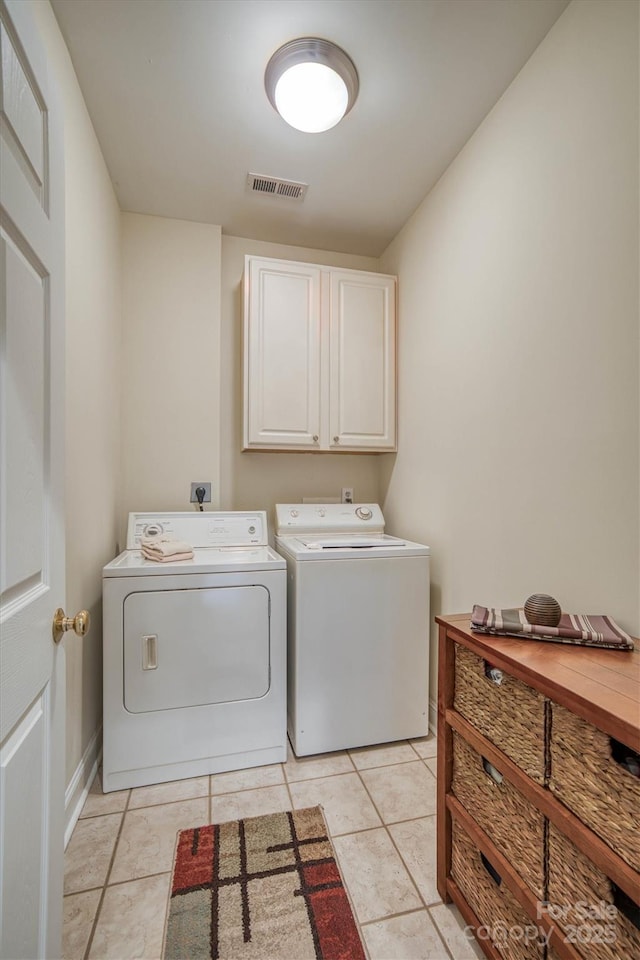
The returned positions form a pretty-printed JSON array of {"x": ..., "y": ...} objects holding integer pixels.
[{"x": 263, "y": 888}]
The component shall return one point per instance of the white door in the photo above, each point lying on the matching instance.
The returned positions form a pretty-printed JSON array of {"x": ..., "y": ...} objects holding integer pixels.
[
  {"x": 362, "y": 364},
  {"x": 281, "y": 354},
  {"x": 31, "y": 494}
]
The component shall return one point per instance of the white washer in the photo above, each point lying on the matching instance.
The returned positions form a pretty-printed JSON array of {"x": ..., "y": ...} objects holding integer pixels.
[
  {"x": 194, "y": 651},
  {"x": 358, "y": 628}
]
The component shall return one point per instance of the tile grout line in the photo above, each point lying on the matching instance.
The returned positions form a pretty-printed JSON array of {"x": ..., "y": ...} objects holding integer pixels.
[
  {"x": 383, "y": 826},
  {"x": 385, "y": 766},
  {"x": 285, "y": 782},
  {"x": 408, "y": 871},
  {"x": 424, "y": 760},
  {"x": 120, "y": 883},
  {"x": 289, "y": 794},
  {"x": 426, "y": 905},
  {"x": 335, "y": 852},
  {"x": 393, "y": 916},
  {"x": 388, "y": 832},
  {"x": 354, "y": 912},
  {"x": 152, "y": 806},
  {"x": 407, "y": 913},
  {"x": 321, "y": 776},
  {"x": 421, "y": 756},
  {"x": 106, "y": 879},
  {"x": 437, "y": 927},
  {"x": 431, "y": 903},
  {"x": 211, "y": 795}
]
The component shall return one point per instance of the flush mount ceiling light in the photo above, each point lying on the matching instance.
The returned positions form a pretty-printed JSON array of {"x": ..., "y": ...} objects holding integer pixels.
[{"x": 312, "y": 84}]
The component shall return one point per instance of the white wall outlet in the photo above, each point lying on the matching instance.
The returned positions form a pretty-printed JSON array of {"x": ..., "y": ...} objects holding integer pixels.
[
  {"x": 207, "y": 492},
  {"x": 347, "y": 494}
]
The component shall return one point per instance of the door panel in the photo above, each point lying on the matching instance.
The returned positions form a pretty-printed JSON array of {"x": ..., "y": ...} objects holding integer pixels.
[
  {"x": 24, "y": 419},
  {"x": 24, "y": 423},
  {"x": 26, "y": 120}
]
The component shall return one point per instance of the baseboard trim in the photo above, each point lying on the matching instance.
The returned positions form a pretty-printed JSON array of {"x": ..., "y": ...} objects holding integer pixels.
[
  {"x": 80, "y": 783},
  {"x": 433, "y": 717}
]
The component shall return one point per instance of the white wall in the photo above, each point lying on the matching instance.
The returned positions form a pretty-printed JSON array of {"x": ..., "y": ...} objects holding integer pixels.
[
  {"x": 518, "y": 362},
  {"x": 252, "y": 479},
  {"x": 93, "y": 344},
  {"x": 170, "y": 362}
]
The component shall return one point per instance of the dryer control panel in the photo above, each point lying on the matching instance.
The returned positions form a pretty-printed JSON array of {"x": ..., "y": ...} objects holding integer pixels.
[{"x": 220, "y": 528}]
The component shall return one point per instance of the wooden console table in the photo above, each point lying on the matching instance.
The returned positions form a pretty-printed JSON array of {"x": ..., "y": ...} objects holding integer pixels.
[{"x": 537, "y": 812}]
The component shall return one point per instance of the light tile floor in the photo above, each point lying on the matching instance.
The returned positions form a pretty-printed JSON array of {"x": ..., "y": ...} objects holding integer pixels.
[{"x": 379, "y": 803}]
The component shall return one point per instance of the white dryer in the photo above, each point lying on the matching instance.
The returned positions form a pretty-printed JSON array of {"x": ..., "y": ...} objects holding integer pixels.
[
  {"x": 194, "y": 651},
  {"x": 358, "y": 628}
]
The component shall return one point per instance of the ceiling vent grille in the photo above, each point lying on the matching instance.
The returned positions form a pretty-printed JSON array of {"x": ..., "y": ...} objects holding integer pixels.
[{"x": 275, "y": 187}]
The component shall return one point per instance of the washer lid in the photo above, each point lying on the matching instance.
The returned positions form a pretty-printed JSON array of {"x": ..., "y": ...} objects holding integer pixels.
[
  {"x": 352, "y": 541},
  {"x": 379, "y": 547},
  {"x": 131, "y": 563}
]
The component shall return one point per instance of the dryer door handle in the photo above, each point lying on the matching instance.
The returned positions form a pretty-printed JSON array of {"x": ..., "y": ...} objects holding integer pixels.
[{"x": 150, "y": 652}]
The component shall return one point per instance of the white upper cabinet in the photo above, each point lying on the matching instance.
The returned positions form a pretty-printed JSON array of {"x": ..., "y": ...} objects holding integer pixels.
[
  {"x": 362, "y": 360},
  {"x": 281, "y": 354},
  {"x": 319, "y": 358}
]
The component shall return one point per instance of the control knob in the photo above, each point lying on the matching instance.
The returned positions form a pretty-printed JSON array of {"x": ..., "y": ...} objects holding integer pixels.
[
  {"x": 153, "y": 530},
  {"x": 364, "y": 513}
]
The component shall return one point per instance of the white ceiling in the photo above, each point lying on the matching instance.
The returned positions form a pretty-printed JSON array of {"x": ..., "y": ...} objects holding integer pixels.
[{"x": 175, "y": 89}]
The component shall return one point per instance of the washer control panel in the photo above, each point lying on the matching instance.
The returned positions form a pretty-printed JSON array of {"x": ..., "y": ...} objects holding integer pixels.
[{"x": 294, "y": 518}]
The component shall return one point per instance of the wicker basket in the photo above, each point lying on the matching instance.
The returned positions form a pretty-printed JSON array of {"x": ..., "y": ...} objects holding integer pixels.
[
  {"x": 510, "y": 714},
  {"x": 576, "y": 886},
  {"x": 514, "y": 825},
  {"x": 587, "y": 779},
  {"x": 502, "y": 919}
]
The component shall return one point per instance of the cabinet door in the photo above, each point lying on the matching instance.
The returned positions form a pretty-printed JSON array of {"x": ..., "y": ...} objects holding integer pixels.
[
  {"x": 362, "y": 374},
  {"x": 281, "y": 355}
]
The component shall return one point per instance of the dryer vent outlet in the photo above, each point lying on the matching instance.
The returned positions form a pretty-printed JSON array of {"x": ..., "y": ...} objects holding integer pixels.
[{"x": 196, "y": 488}]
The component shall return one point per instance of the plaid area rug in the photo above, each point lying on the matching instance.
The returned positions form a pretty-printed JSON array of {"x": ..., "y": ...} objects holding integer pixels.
[{"x": 263, "y": 888}]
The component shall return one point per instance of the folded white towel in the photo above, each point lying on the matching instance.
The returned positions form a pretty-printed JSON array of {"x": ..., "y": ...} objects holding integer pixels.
[
  {"x": 158, "y": 558},
  {"x": 165, "y": 546}
]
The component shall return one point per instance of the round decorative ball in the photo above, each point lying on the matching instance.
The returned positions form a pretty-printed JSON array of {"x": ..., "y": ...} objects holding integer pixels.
[{"x": 543, "y": 610}]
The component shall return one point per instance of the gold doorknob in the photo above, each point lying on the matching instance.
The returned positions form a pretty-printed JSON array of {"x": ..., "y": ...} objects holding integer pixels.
[{"x": 61, "y": 623}]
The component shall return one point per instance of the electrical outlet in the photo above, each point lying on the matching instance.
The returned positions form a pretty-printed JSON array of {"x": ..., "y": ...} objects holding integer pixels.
[
  {"x": 207, "y": 492},
  {"x": 347, "y": 494}
]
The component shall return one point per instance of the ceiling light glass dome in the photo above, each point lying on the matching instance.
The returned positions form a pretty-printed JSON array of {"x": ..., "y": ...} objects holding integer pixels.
[{"x": 312, "y": 84}]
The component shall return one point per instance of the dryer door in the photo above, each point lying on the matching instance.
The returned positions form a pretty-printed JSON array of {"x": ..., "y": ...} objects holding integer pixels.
[{"x": 187, "y": 648}]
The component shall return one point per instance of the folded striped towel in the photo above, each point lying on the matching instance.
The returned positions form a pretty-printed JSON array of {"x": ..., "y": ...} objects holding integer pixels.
[
  {"x": 577, "y": 628},
  {"x": 164, "y": 548}
]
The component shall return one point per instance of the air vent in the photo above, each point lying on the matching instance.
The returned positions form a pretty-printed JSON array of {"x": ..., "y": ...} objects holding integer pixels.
[{"x": 276, "y": 187}]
